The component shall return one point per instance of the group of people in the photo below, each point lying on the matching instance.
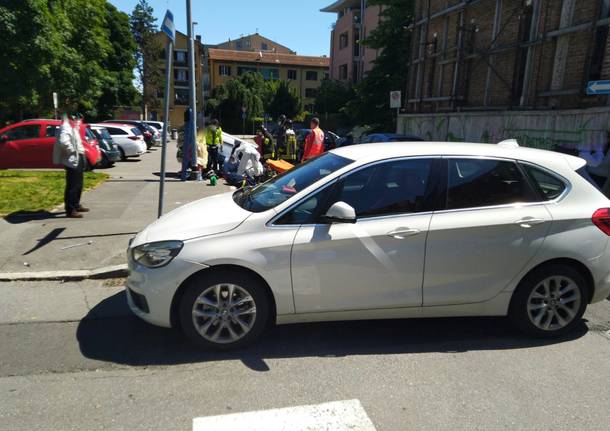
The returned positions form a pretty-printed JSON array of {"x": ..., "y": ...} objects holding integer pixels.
[{"x": 245, "y": 163}]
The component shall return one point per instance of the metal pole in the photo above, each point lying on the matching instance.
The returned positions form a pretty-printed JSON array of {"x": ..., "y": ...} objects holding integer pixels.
[
  {"x": 168, "y": 77},
  {"x": 192, "y": 81}
]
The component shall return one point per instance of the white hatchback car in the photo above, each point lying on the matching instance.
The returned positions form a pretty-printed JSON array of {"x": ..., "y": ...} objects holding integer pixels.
[
  {"x": 382, "y": 231},
  {"x": 128, "y": 138}
]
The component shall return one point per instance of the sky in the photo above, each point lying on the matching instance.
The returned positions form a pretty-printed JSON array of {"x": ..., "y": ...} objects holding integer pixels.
[{"x": 297, "y": 24}]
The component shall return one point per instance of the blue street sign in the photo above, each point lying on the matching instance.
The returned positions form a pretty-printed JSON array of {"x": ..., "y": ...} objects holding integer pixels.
[
  {"x": 598, "y": 87},
  {"x": 168, "y": 26}
]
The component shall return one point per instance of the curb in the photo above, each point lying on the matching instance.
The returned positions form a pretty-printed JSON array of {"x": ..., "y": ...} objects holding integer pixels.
[{"x": 115, "y": 271}]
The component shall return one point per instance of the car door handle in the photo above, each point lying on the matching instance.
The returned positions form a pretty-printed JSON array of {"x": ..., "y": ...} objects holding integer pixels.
[
  {"x": 529, "y": 222},
  {"x": 402, "y": 233}
]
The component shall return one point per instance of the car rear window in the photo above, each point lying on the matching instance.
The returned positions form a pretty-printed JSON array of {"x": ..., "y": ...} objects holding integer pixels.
[
  {"x": 549, "y": 186},
  {"x": 136, "y": 131}
]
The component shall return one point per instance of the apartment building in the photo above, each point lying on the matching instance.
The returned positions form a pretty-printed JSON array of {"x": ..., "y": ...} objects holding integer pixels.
[
  {"x": 349, "y": 60},
  {"x": 254, "y": 43},
  {"x": 305, "y": 73},
  {"x": 493, "y": 69}
]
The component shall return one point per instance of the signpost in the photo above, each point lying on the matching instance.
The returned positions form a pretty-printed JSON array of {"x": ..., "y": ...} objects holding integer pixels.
[
  {"x": 598, "y": 87},
  {"x": 396, "y": 103},
  {"x": 55, "y": 103},
  {"x": 243, "y": 119},
  {"x": 170, "y": 30}
]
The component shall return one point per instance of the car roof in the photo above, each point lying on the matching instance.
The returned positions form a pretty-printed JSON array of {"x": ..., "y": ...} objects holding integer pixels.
[
  {"x": 379, "y": 151},
  {"x": 123, "y": 125}
]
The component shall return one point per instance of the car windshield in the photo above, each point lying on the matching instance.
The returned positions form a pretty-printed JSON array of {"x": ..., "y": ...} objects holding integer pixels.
[{"x": 283, "y": 187}]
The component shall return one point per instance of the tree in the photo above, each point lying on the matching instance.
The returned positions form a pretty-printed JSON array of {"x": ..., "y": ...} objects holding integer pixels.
[
  {"x": 332, "y": 96},
  {"x": 371, "y": 103},
  {"x": 148, "y": 53},
  {"x": 285, "y": 101}
]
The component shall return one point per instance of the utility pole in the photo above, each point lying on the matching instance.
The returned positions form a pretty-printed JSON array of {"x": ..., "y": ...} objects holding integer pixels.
[{"x": 192, "y": 80}]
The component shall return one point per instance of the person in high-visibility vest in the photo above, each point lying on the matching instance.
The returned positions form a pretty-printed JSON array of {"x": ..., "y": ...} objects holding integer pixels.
[
  {"x": 314, "y": 143},
  {"x": 213, "y": 138},
  {"x": 291, "y": 142}
]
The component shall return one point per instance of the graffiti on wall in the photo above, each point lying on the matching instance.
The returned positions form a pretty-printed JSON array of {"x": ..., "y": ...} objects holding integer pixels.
[{"x": 574, "y": 131}]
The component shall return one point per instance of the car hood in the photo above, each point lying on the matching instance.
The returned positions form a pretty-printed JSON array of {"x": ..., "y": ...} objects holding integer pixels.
[{"x": 208, "y": 216}]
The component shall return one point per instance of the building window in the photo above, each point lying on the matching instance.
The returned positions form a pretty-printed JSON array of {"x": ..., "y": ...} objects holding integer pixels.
[
  {"x": 343, "y": 40},
  {"x": 264, "y": 46},
  {"x": 356, "y": 44},
  {"x": 270, "y": 74},
  {"x": 343, "y": 71},
  {"x": 180, "y": 57},
  {"x": 326, "y": 75},
  {"x": 181, "y": 75},
  {"x": 311, "y": 75},
  {"x": 241, "y": 70},
  {"x": 601, "y": 39},
  {"x": 238, "y": 45},
  {"x": 182, "y": 96},
  {"x": 224, "y": 70},
  {"x": 311, "y": 93},
  {"x": 292, "y": 74}
]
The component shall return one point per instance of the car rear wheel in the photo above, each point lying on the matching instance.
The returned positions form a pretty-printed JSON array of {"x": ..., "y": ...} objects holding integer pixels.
[
  {"x": 224, "y": 310},
  {"x": 550, "y": 301},
  {"x": 123, "y": 156}
]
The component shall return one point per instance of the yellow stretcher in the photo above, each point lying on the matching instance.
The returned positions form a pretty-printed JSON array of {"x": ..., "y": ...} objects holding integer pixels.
[{"x": 279, "y": 166}]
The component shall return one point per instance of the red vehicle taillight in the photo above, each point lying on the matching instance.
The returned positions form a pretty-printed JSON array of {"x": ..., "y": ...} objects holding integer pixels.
[
  {"x": 601, "y": 219},
  {"x": 134, "y": 138}
]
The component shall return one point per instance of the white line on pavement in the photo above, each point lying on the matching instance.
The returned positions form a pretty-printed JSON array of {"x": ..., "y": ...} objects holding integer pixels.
[{"x": 335, "y": 416}]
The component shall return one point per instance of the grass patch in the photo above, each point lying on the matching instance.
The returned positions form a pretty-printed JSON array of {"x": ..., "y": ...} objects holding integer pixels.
[{"x": 32, "y": 191}]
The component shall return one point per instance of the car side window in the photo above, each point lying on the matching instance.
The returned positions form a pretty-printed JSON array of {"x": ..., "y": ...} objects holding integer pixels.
[
  {"x": 549, "y": 186},
  {"x": 116, "y": 132},
  {"x": 307, "y": 211},
  {"x": 397, "y": 187},
  {"x": 20, "y": 133},
  {"x": 474, "y": 183},
  {"x": 51, "y": 131}
]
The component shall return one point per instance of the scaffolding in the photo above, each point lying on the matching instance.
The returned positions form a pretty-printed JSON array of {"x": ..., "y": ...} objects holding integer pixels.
[{"x": 533, "y": 37}]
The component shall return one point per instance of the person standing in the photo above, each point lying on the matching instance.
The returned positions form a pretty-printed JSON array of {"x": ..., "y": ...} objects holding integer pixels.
[
  {"x": 70, "y": 152},
  {"x": 213, "y": 138},
  {"x": 314, "y": 143},
  {"x": 291, "y": 142}
]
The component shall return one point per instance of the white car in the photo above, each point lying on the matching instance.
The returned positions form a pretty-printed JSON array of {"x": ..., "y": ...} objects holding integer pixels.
[
  {"x": 378, "y": 231},
  {"x": 128, "y": 138}
]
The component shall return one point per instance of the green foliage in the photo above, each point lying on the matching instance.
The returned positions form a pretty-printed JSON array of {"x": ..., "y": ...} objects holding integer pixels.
[
  {"x": 333, "y": 96},
  {"x": 148, "y": 53},
  {"x": 66, "y": 46},
  {"x": 285, "y": 101},
  {"x": 371, "y": 104},
  {"x": 257, "y": 95}
]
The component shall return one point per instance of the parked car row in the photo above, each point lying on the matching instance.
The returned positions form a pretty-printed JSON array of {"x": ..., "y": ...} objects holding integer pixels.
[{"x": 29, "y": 143}]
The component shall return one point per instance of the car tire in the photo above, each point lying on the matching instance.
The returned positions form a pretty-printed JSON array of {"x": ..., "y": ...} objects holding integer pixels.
[
  {"x": 202, "y": 321},
  {"x": 123, "y": 156},
  {"x": 550, "y": 301}
]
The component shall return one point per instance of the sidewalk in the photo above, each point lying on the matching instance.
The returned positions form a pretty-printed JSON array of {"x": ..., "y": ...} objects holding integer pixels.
[{"x": 120, "y": 208}]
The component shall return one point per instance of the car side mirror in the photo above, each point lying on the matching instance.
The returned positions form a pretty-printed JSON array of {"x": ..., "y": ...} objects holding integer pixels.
[{"x": 340, "y": 212}]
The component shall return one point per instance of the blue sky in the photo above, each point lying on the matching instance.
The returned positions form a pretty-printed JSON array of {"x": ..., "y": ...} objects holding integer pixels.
[{"x": 297, "y": 24}]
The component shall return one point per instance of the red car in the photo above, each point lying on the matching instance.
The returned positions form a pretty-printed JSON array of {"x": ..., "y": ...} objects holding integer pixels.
[{"x": 29, "y": 144}]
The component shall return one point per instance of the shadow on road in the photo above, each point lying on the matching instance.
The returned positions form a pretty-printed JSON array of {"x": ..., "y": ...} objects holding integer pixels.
[
  {"x": 127, "y": 340},
  {"x": 19, "y": 217}
]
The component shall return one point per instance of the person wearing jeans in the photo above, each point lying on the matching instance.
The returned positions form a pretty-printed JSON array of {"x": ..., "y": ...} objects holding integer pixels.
[{"x": 70, "y": 152}]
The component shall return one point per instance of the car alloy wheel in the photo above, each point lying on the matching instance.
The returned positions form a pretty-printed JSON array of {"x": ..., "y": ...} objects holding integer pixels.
[
  {"x": 224, "y": 313},
  {"x": 554, "y": 303}
]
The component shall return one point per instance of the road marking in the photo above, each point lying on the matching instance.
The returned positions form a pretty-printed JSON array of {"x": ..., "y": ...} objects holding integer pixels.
[{"x": 335, "y": 416}]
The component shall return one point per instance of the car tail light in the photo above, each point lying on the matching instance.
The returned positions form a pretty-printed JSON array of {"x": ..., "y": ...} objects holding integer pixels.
[
  {"x": 134, "y": 138},
  {"x": 601, "y": 219}
]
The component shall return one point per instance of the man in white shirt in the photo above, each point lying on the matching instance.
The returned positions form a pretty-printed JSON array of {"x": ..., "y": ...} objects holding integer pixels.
[{"x": 249, "y": 167}]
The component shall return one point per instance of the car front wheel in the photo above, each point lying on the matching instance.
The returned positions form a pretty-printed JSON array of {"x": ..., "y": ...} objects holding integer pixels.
[
  {"x": 224, "y": 310},
  {"x": 550, "y": 301}
]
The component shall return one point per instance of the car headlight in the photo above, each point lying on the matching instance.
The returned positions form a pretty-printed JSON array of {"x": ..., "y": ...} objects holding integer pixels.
[{"x": 157, "y": 254}]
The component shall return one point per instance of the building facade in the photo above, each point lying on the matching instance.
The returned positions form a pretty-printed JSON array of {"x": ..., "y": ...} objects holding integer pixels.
[
  {"x": 304, "y": 73},
  {"x": 254, "y": 43},
  {"x": 350, "y": 60},
  {"x": 533, "y": 57},
  {"x": 179, "y": 85}
]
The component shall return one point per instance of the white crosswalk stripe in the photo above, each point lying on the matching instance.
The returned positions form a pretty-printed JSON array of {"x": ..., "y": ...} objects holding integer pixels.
[{"x": 335, "y": 416}]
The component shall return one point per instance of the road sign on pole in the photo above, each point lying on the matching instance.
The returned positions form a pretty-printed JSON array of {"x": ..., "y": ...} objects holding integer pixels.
[
  {"x": 55, "y": 103},
  {"x": 395, "y": 99},
  {"x": 598, "y": 87},
  {"x": 169, "y": 29}
]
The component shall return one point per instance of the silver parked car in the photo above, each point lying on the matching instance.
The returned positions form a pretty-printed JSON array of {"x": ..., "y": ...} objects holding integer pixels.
[{"x": 378, "y": 231}]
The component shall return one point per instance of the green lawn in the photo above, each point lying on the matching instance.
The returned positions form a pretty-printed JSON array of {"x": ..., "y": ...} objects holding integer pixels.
[{"x": 32, "y": 191}]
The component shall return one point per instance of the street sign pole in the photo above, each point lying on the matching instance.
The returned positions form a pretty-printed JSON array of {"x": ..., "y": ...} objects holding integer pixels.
[
  {"x": 167, "y": 28},
  {"x": 192, "y": 80},
  {"x": 55, "y": 103}
]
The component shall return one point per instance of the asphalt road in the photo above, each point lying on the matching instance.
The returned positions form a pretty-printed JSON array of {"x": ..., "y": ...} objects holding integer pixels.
[{"x": 73, "y": 358}]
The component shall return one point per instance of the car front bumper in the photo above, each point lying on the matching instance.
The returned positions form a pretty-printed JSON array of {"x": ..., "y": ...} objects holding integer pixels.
[{"x": 150, "y": 291}]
